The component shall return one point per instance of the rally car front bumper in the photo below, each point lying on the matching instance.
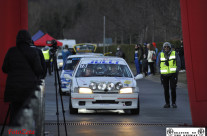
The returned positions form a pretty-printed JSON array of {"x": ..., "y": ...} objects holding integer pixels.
[{"x": 104, "y": 101}]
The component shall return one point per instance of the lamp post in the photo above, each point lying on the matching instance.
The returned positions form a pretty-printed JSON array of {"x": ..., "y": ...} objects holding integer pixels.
[{"x": 104, "y": 35}]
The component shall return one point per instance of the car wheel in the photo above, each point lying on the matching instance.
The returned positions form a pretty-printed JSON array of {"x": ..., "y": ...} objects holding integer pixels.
[
  {"x": 72, "y": 110},
  {"x": 136, "y": 111},
  {"x": 63, "y": 93}
]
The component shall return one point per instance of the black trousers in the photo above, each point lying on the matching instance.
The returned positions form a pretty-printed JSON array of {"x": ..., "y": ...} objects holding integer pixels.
[
  {"x": 140, "y": 66},
  {"x": 151, "y": 64},
  {"x": 48, "y": 66},
  {"x": 182, "y": 59},
  {"x": 145, "y": 66},
  {"x": 14, "y": 110},
  {"x": 170, "y": 80}
]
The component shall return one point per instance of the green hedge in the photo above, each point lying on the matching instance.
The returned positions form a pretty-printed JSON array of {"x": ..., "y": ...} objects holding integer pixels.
[{"x": 129, "y": 49}]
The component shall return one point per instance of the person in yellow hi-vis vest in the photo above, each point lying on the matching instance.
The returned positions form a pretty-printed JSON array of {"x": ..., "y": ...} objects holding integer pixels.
[
  {"x": 47, "y": 55},
  {"x": 169, "y": 66}
]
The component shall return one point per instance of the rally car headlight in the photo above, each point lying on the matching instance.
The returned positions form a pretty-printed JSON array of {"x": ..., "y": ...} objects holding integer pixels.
[
  {"x": 60, "y": 64},
  {"x": 93, "y": 86},
  {"x": 85, "y": 91},
  {"x": 110, "y": 86},
  {"x": 126, "y": 90},
  {"x": 102, "y": 86},
  {"x": 118, "y": 85}
]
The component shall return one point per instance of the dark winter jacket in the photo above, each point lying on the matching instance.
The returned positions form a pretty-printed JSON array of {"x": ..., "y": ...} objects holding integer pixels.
[
  {"x": 140, "y": 54},
  {"x": 120, "y": 54},
  {"x": 22, "y": 64},
  {"x": 145, "y": 54},
  {"x": 42, "y": 60}
]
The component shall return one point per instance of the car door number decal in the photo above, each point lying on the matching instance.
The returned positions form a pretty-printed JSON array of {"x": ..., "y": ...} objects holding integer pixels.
[{"x": 83, "y": 66}]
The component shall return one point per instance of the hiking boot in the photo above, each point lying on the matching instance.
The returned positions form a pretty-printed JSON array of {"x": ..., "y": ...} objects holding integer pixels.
[
  {"x": 174, "y": 105},
  {"x": 166, "y": 106}
]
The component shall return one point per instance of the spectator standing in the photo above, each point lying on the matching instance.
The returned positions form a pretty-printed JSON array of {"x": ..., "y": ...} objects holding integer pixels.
[
  {"x": 138, "y": 54},
  {"x": 169, "y": 62},
  {"x": 144, "y": 61},
  {"x": 42, "y": 60},
  {"x": 155, "y": 47},
  {"x": 47, "y": 56},
  {"x": 23, "y": 66},
  {"x": 156, "y": 54},
  {"x": 172, "y": 47},
  {"x": 65, "y": 53},
  {"x": 182, "y": 58},
  {"x": 120, "y": 53},
  {"x": 150, "y": 58},
  {"x": 136, "y": 59}
]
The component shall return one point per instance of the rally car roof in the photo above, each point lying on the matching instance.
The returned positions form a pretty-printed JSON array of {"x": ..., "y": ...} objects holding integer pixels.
[
  {"x": 106, "y": 59},
  {"x": 85, "y": 55}
]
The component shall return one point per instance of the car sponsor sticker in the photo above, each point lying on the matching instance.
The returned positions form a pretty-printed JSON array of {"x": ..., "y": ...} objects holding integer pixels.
[
  {"x": 127, "y": 82},
  {"x": 104, "y": 62}
]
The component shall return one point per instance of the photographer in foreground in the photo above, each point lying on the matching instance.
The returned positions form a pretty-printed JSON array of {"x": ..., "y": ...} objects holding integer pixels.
[
  {"x": 169, "y": 64},
  {"x": 23, "y": 66}
]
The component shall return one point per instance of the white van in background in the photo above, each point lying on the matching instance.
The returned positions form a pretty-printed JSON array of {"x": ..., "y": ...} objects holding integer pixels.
[{"x": 69, "y": 42}]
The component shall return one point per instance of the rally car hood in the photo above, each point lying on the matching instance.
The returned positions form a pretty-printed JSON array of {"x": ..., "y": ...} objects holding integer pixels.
[{"x": 85, "y": 81}]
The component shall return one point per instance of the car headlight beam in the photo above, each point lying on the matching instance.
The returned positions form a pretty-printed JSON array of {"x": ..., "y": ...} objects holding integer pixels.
[
  {"x": 60, "y": 64},
  {"x": 85, "y": 91},
  {"x": 126, "y": 91}
]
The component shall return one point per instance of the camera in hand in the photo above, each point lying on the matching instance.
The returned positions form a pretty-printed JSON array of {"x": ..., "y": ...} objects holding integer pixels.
[{"x": 53, "y": 44}]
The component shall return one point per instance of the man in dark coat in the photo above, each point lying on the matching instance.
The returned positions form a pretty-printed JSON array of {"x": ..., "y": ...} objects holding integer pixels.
[
  {"x": 120, "y": 53},
  {"x": 23, "y": 66},
  {"x": 42, "y": 60},
  {"x": 182, "y": 59},
  {"x": 145, "y": 61}
]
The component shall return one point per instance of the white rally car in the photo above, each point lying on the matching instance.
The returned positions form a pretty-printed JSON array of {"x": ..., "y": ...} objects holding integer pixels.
[
  {"x": 68, "y": 68},
  {"x": 103, "y": 83},
  {"x": 59, "y": 60}
]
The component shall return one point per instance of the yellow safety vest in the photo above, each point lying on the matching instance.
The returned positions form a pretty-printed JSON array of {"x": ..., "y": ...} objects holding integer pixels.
[
  {"x": 164, "y": 69},
  {"x": 46, "y": 54}
]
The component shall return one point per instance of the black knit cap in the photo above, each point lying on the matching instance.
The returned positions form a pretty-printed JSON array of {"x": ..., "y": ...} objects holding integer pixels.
[{"x": 23, "y": 36}]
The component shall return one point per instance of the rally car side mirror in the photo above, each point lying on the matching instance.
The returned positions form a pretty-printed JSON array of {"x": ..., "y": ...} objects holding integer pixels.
[{"x": 139, "y": 76}]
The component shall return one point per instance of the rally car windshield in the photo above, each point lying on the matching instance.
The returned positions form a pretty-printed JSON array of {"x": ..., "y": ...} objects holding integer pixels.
[
  {"x": 85, "y": 47},
  {"x": 71, "y": 63},
  {"x": 104, "y": 70}
]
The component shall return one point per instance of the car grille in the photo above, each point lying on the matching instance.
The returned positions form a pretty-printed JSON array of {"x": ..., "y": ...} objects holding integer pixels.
[
  {"x": 105, "y": 102},
  {"x": 105, "y": 92}
]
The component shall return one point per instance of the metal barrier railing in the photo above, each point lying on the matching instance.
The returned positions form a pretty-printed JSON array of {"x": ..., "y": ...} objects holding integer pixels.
[
  {"x": 31, "y": 117},
  {"x": 40, "y": 114}
]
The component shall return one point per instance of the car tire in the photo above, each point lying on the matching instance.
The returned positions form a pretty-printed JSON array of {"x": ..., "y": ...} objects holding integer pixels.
[
  {"x": 137, "y": 110},
  {"x": 72, "y": 110},
  {"x": 63, "y": 93}
]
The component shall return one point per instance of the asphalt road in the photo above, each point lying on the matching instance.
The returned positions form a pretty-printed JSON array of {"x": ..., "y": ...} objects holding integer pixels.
[{"x": 153, "y": 118}]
